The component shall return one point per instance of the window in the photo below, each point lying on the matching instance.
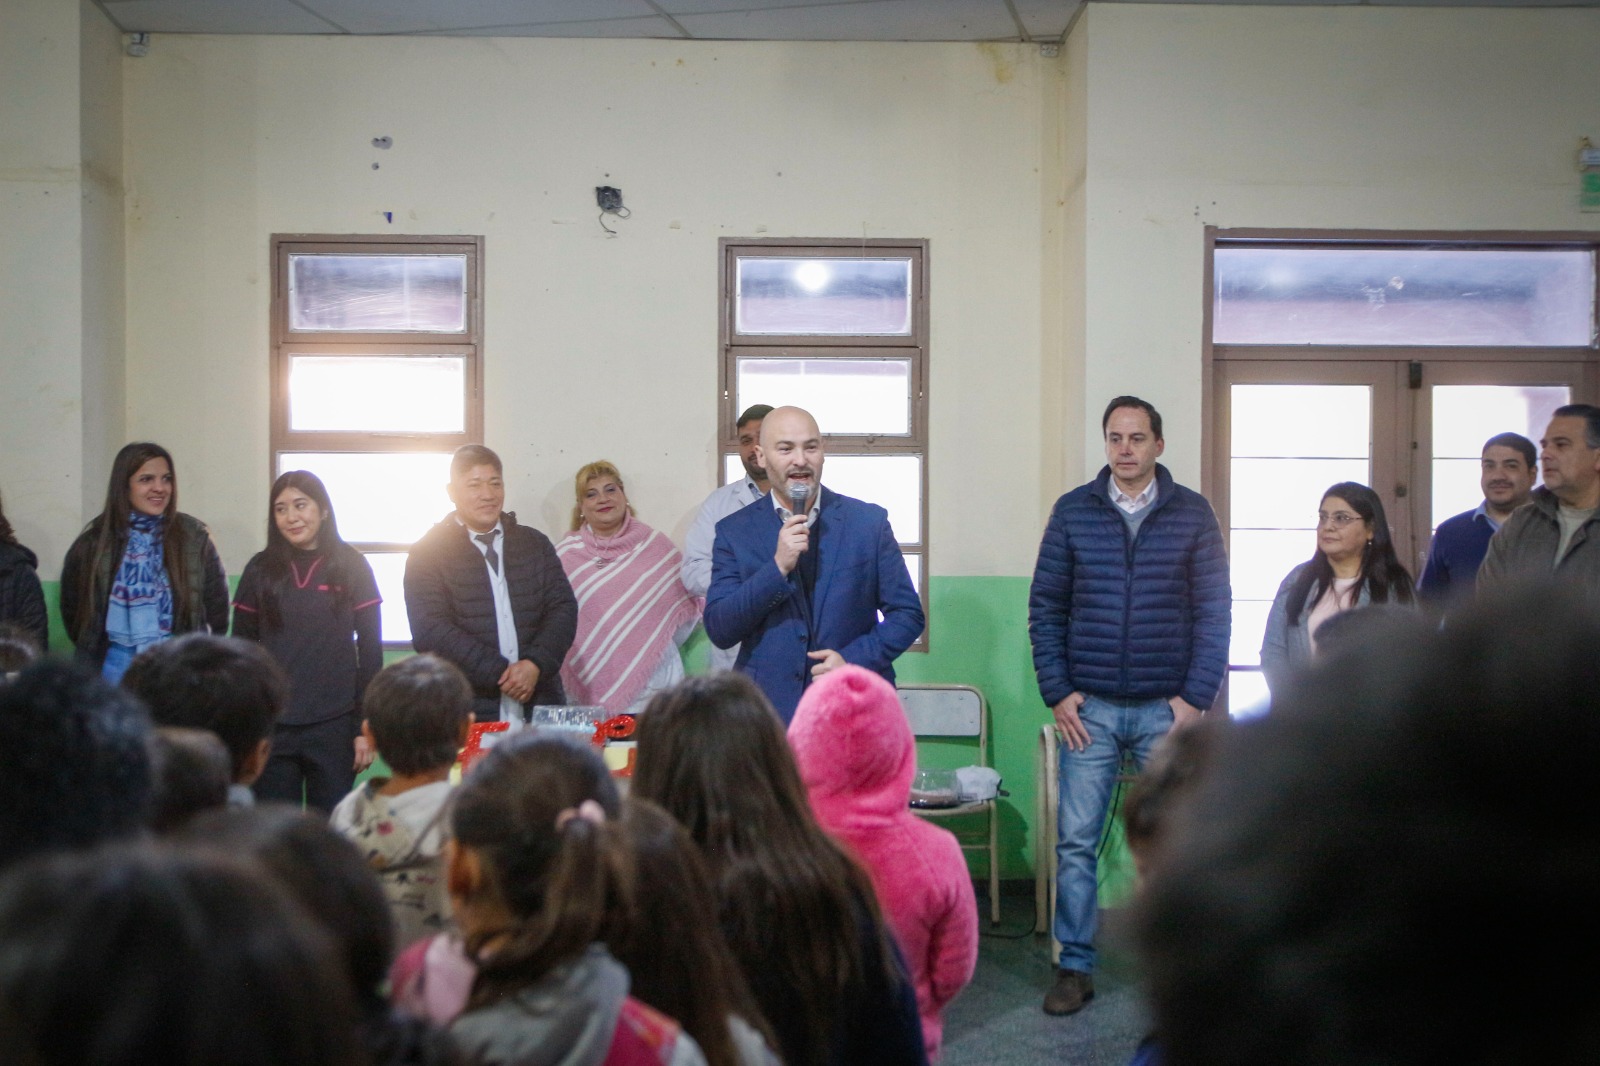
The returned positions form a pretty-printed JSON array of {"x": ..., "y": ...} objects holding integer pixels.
[
  {"x": 376, "y": 364},
  {"x": 839, "y": 328},
  {"x": 1382, "y": 361}
]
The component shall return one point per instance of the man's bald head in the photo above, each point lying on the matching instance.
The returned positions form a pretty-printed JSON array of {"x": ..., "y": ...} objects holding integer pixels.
[{"x": 791, "y": 447}]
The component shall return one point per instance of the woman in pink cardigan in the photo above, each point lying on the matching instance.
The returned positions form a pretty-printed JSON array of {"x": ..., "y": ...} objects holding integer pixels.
[{"x": 857, "y": 758}]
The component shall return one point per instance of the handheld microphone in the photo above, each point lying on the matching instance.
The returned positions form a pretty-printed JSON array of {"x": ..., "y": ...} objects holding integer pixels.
[{"x": 797, "y": 498}]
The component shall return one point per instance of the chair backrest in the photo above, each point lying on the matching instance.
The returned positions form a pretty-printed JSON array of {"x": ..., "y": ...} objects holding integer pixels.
[{"x": 947, "y": 711}]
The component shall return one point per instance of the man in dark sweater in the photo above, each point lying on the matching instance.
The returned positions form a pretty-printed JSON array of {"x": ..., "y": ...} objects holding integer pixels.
[
  {"x": 1460, "y": 542},
  {"x": 490, "y": 596},
  {"x": 1129, "y": 615}
]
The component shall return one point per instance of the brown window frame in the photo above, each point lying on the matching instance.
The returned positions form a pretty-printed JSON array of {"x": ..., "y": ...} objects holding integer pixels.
[
  {"x": 286, "y": 343},
  {"x": 733, "y": 347},
  {"x": 1223, "y": 364}
]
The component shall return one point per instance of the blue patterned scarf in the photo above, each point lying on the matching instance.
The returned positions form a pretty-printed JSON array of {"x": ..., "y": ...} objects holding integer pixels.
[{"x": 140, "y": 609}]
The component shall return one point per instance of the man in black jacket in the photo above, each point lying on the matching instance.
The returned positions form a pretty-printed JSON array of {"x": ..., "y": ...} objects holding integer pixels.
[{"x": 490, "y": 596}]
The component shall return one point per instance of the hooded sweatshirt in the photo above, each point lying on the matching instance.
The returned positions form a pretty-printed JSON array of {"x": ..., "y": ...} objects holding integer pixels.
[{"x": 857, "y": 758}]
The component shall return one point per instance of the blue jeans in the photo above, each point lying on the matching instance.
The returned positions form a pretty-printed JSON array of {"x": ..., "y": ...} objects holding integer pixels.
[{"x": 1087, "y": 777}]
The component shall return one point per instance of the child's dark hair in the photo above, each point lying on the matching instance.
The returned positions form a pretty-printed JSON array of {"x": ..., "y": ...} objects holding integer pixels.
[
  {"x": 192, "y": 774},
  {"x": 231, "y": 687},
  {"x": 673, "y": 948},
  {"x": 74, "y": 761},
  {"x": 136, "y": 954},
  {"x": 18, "y": 648},
  {"x": 321, "y": 870},
  {"x": 416, "y": 708},
  {"x": 557, "y": 874}
]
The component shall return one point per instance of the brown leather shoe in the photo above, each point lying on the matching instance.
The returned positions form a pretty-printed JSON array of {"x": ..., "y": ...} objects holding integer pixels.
[{"x": 1070, "y": 992}]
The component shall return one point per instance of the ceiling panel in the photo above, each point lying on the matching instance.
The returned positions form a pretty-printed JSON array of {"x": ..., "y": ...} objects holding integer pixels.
[
  {"x": 653, "y": 26},
  {"x": 1046, "y": 20},
  {"x": 434, "y": 16},
  {"x": 214, "y": 16},
  {"x": 885, "y": 20}
]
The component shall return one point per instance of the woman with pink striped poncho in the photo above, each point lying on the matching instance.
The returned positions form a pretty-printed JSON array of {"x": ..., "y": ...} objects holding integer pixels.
[{"x": 633, "y": 611}]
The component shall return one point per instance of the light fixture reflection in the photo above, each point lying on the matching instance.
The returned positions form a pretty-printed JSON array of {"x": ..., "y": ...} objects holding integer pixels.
[{"x": 812, "y": 276}]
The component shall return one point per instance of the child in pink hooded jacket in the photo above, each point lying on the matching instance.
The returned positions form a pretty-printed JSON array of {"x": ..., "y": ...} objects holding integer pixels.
[{"x": 857, "y": 758}]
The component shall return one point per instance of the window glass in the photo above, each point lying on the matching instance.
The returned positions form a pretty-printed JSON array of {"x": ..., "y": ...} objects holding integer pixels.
[
  {"x": 380, "y": 497},
  {"x": 374, "y": 394},
  {"x": 390, "y": 570},
  {"x": 854, "y": 396},
  {"x": 1247, "y": 693},
  {"x": 1259, "y": 559},
  {"x": 815, "y": 296},
  {"x": 343, "y": 293},
  {"x": 893, "y": 482},
  {"x": 1284, "y": 493},
  {"x": 1404, "y": 295},
  {"x": 1312, "y": 421},
  {"x": 1464, "y": 416}
]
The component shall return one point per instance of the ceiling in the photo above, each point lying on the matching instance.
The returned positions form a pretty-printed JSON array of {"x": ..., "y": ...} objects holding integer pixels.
[{"x": 726, "y": 20}]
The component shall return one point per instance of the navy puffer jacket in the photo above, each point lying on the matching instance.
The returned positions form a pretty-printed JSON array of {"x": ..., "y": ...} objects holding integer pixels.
[{"x": 1145, "y": 619}]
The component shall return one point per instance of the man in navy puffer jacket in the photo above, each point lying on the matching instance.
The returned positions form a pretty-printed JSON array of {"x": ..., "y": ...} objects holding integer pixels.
[{"x": 1129, "y": 616}]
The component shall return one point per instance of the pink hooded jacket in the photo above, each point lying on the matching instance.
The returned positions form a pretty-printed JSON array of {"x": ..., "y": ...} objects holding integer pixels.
[{"x": 857, "y": 758}]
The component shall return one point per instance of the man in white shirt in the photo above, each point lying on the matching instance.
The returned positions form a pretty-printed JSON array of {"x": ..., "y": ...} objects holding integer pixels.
[{"x": 734, "y": 496}]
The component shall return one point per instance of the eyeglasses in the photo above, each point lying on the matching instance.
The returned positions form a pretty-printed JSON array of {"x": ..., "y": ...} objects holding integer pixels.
[{"x": 1339, "y": 519}]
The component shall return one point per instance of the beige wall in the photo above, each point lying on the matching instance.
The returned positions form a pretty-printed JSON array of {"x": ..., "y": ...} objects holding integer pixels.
[
  {"x": 61, "y": 264},
  {"x": 595, "y": 346},
  {"x": 1319, "y": 117}
]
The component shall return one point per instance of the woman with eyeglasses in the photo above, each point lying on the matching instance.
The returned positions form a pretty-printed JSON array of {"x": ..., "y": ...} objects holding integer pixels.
[{"x": 1354, "y": 565}]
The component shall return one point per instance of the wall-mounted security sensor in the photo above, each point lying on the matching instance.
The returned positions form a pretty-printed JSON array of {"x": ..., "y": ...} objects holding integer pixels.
[{"x": 138, "y": 45}]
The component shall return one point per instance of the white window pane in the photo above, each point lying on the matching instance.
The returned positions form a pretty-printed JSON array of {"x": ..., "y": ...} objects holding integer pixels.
[
  {"x": 1314, "y": 421},
  {"x": 732, "y": 469},
  {"x": 1284, "y": 493},
  {"x": 376, "y": 394},
  {"x": 865, "y": 396},
  {"x": 1455, "y": 487},
  {"x": 893, "y": 482},
  {"x": 1249, "y": 624},
  {"x": 380, "y": 497},
  {"x": 1247, "y": 693},
  {"x": 1464, "y": 416},
  {"x": 378, "y": 293},
  {"x": 1259, "y": 559},
  {"x": 914, "y": 568},
  {"x": 1404, "y": 295},
  {"x": 390, "y": 570},
  {"x": 814, "y": 296}
]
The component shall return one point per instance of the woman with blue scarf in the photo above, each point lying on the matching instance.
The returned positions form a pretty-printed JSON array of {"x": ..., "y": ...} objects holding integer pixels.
[{"x": 141, "y": 571}]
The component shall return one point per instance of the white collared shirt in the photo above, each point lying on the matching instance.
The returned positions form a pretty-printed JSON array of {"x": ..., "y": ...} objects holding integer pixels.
[
  {"x": 505, "y": 621},
  {"x": 780, "y": 504},
  {"x": 1133, "y": 504}
]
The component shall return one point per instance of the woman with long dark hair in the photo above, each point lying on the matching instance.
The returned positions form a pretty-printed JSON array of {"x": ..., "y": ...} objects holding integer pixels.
[
  {"x": 1355, "y": 564},
  {"x": 21, "y": 595},
  {"x": 311, "y": 600},
  {"x": 799, "y": 914},
  {"x": 142, "y": 571}
]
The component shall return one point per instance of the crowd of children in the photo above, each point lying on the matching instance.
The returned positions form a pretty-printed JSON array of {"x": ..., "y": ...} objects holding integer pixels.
[{"x": 527, "y": 914}]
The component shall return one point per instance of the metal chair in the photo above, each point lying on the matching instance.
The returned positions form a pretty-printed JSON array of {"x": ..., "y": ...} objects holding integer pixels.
[{"x": 958, "y": 711}]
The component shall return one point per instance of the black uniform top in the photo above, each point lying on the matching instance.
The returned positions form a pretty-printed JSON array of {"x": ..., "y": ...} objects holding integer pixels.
[{"x": 329, "y": 654}]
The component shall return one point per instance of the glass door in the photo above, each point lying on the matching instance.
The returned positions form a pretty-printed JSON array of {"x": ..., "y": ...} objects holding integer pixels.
[
  {"x": 1460, "y": 406},
  {"x": 1289, "y": 430}
]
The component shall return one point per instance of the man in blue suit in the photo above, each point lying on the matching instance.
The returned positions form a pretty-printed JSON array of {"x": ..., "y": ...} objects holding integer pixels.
[{"x": 799, "y": 577}]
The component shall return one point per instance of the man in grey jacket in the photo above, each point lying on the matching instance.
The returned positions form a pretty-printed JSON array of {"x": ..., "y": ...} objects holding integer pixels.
[{"x": 1555, "y": 533}]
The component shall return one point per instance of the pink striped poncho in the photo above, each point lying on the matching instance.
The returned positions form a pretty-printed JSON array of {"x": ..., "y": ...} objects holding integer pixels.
[{"x": 630, "y": 603}]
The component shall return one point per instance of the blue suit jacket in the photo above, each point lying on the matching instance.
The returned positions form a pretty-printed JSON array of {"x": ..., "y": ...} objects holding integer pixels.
[{"x": 752, "y": 604}]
